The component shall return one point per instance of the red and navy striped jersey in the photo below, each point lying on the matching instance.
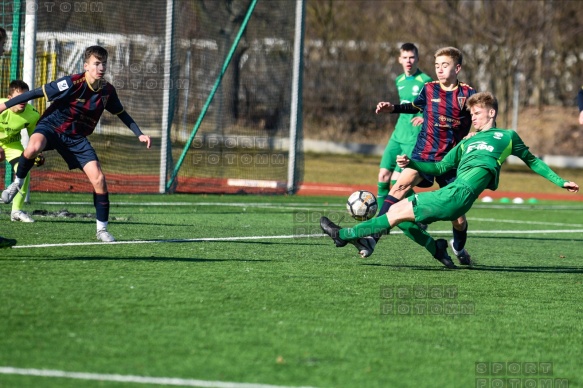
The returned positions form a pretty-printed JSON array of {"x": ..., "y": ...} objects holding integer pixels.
[
  {"x": 446, "y": 120},
  {"x": 76, "y": 108}
]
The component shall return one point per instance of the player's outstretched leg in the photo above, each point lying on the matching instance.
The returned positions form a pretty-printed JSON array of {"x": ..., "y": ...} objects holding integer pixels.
[
  {"x": 332, "y": 230},
  {"x": 7, "y": 242}
]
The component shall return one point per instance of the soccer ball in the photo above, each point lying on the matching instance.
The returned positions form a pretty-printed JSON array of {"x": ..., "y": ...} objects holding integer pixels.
[{"x": 362, "y": 205}]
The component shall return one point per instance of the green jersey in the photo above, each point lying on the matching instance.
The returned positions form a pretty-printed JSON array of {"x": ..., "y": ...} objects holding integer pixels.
[
  {"x": 487, "y": 150},
  {"x": 408, "y": 88},
  {"x": 12, "y": 123}
]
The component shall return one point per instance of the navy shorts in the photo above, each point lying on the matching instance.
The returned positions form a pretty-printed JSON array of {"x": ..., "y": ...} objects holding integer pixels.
[
  {"x": 442, "y": 180},
  {"x": 76, "y": 150}
]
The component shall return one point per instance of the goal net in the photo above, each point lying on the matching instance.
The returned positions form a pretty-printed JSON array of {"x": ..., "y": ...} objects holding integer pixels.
[{"x": 210, "y": 81}]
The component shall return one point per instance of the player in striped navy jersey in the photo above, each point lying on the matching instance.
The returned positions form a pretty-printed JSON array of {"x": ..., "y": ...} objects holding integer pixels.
[
  {"x": 446, "y": 122},
  {"x": 78, "y": 101},
  {"x": 408, "y": 84}
]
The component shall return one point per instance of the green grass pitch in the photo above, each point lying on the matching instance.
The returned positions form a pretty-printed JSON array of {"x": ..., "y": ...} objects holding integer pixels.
[{"x": 244, "y": 290}]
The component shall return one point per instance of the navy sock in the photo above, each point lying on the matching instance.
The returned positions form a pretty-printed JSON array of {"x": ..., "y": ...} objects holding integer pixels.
[
  {"x": 388, "y": 202},
  {"x": 24, "y": 166},
  {"x": 101, "y": 202},
  {"x": 459, "y": 238}
]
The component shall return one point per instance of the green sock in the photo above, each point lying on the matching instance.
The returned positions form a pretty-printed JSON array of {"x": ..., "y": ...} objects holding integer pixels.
[
  {"x": 421, "y": 237},
  {"x": 382, "y": 191},
  {"x": 366, "y": 228}
]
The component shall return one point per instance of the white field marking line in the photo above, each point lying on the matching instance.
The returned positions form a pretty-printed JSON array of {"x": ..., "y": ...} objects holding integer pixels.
[
  {"x": 320, "y": 206},
  {"x": 293, "y": 236},
  {"x": 7, "y": 370},
  {"x": 527, "y": 206},
  {"x": 292, "y": 206},
  {"x": 236, "y": 204},
  {"x": 524, "y": 222},
  {"x": 203, "y": 239}
]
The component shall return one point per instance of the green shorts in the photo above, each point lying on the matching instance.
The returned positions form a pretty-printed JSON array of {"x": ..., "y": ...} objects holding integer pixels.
[
  {"x": 445, "y": 204},
  {"x": 394, "y": 148}
]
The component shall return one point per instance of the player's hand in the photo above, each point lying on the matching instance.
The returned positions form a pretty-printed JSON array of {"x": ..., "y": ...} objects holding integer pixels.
[
  {"x": 384, "y": 107},
  {"x": 417, "y": 121},
  {"x": 39, "y": 160},
  {"x": 571, "y": 186},
  {"x": 469, "y": 135},
  {"x": 403, "y": 161},
  {"x": 146, "y": 139},
  {"x": 2, "y": 107},
  {"x": 581, "y": 117}
]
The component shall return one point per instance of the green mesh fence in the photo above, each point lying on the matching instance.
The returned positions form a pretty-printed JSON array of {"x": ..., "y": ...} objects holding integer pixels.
[{"x": 161, "y": 59}]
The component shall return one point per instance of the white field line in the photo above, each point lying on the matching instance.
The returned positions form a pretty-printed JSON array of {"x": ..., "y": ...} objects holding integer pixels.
[
  {"x": 203, "y": 239},
  {"x": 7, "y": 370},
  {"x": 281, "y": 237},
  {"x": 524, "y": 222},
  {"x": 319, "y": 205}
]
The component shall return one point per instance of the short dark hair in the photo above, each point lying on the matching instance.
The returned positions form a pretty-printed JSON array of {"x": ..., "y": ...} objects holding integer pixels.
[
  {"x": 97, "y": 51},
  {"x": 17, "y": 84},
  {"x": 3, "y": 33},
  {"x": 410, "y": 47}
]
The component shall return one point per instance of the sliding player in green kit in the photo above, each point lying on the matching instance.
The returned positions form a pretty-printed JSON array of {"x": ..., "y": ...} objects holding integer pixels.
[{"x": 478, "y": 160}]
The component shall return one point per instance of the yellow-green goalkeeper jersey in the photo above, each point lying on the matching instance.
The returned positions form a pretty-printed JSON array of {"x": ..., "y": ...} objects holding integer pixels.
[
  {"x": 487, "y": 150},
  {"x": 12, "y": 123},
  {"x": 408, "y": 88}
]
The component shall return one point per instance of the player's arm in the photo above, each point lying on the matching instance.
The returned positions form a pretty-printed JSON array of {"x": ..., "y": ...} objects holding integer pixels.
[
  {"x": 115, "y": 107},
  {"x": 387, "y": 107},
  {"x": 24, "y": 97},
  {"x": 450, "y": 161},
  {"x": 537, "y": 165},
  {"x": 131, "y": 124}
]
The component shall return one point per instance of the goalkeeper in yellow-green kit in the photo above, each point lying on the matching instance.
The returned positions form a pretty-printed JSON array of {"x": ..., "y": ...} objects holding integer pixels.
[
  {"x": 478, "y": 159},
  {"x": 12, "y": 121}
]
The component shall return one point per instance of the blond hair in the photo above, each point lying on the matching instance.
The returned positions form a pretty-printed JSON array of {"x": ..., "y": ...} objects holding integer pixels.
[
  {"x": 451, "y": 52},
  {"x": 483, "y": 99}
]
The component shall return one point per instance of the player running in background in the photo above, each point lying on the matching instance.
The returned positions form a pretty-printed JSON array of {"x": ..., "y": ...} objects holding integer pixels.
[
  {"x": 404, "y": 137},
  {"x": 78, "y": 101},
  {"x": 446, "y": 122},
  {"x": 478, "y": 160},
  {"x": 580, "y": 103},
  {"x": 12, "y": 121}
]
